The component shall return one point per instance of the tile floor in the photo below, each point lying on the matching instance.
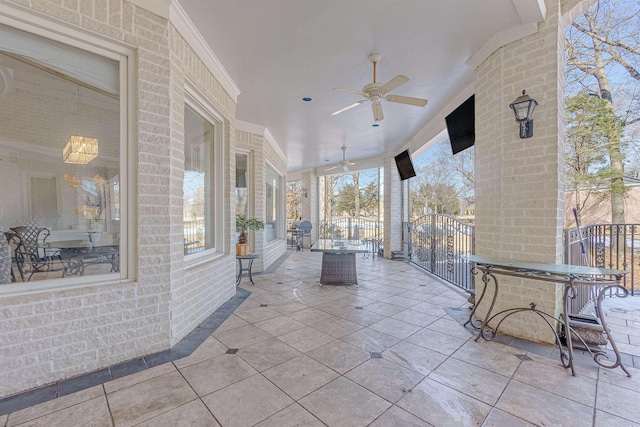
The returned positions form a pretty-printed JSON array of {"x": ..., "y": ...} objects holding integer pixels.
[{"x": 389, "y": 353}]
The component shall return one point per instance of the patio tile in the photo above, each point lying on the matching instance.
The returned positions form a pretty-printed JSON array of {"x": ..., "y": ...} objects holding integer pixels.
[
  {"x": 395, "y": 328},
  {"x": 132, "y": 405},
  {"x": 279, "y": 325},
  {"x": 230, "y": 406},
  {"x": 385, "y": 378},
  {"x": 37, "y": 411},
  {"x": 288, "y": 307},
  {"x": 257, "y": 314},
  {"x": 401, "y": 301},
  {"x": 309, "y": 316},
  {"x": 362, "y": 317},
  {"x": 94, "y": 412},
  {"x": 395, "y": 417},
  {"x": 291, "y": 416},
  {"x": 337, "y": 327},
  {"x": 433, "y": 340},
  {"x": 451, "y": 327},
  {"x": 414, "y": 357},
  {"x": 139, "y": 377},
  {"x": 370, "y": 340},
  {"x": 210, "y": 348},
  {"x": 306, "y": 339},
  {"x": 383, "y": 308},
  {"x": 474, "y": 381},
  {"x": 339, "y": 356},
  {"x": 415, "y": 317},
  {"x": 440, "y": 405},
  {"x": 343, "y": 403},
  {"x": 618, "y": 377},
  {"x": 604, "y": 419},
  {"x": 557, "y": 380},
  {"x": 543, "y": 408},
  {"x": 300, "y": 376},
  {"x": 619, "y": 401},
  {"x": 428, "y": 308},
  {"x": 498, "y": 418},
  {"x": 193, "y": 414},
  {"x": 232, "y": 322},
  {"x": 243, "y": 336},
  {"x": 213, "y": 374},
  {"x": 488, "y": 355},
  {"x": 267, "y": 354}
]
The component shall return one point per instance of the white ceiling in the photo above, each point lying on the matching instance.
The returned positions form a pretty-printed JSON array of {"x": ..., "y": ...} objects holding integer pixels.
[{"x": 279, "y": 51}]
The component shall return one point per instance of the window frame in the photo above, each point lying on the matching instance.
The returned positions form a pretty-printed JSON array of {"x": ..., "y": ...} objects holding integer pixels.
[
  {"x": 199, "y": 103},
  {"x": 124, "y": 55},
  {"x": 280, "y": 208}
]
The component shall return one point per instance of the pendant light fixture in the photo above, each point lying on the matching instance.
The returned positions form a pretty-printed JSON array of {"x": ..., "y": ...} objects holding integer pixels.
[{"x": 80, "y": 149}]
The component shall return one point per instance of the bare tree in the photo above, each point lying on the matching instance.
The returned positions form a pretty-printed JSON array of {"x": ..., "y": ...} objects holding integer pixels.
[{"x": 600, "y": 44}]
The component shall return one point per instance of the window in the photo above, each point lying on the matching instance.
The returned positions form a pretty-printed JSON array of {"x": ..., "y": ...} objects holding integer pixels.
[
  {"x": 242, "y": 184},
  {"x": 60, "y": 145},
  {"x": 273, "y": 215},
  {"x": 202, "y": 185}
]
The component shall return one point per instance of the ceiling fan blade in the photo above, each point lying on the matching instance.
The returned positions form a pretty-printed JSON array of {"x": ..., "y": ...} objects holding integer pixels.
[
  {"x": 377, "y": 111},
  {"x": 345, "y": 168},
  {"x": 419, "y": 102},
  {"x": 357, "y": 92},
  {"x": 331, "y": 168},
  {"x": 348, "y": 107},
  {"x": 394, "y": 83}
]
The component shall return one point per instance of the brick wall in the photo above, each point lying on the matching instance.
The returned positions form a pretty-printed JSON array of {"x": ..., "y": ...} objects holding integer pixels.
[
  {"x": 519, "y": 182},
  {"x": 50, "y": 335},
  {"x": 392, "y": 208}
]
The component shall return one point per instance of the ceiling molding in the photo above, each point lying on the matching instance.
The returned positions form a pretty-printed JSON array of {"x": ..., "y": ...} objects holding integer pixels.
[
  {"x": 530, "y": 10},
  {"x": 159, "y": 7},
  {"x": 263, "y": 131},
  {"x": 500, "y": 39},
  {"x": 183, "y": 24},
  {"x": 249, "y": 127},
  {"x": 275, "y": 146}
]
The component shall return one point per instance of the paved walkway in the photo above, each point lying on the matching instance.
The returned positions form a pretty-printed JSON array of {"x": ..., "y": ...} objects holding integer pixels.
[{"x": 389, "y": 353}]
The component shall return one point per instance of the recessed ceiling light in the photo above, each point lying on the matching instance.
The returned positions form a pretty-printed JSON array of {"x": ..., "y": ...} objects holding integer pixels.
[
  {"x": 306, "y": 99},
  {"x": 375, "y": 125}
]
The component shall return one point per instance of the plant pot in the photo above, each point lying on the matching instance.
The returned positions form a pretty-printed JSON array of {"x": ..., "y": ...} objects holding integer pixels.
[{"x": 242, "y": 249}]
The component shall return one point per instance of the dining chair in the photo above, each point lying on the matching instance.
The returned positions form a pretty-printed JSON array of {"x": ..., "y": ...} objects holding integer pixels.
[{"x": 31, "y": 255}]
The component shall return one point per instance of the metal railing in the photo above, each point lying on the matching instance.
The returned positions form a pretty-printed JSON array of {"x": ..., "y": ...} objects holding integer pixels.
[
  {"x": 439, "y": 243},
  {"x": 351, "y": 229},
  {"x": 193, "y": 236},
  {"x": 613, "y": 246}
]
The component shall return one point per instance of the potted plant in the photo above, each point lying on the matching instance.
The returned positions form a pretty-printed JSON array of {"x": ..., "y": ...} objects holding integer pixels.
[{"x": 244, "y": 224}]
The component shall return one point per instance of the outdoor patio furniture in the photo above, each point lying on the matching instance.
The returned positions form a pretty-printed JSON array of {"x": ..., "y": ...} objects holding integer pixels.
[
  {"x": 339, "y": 260},
  {"x": 305, "y": 232},
  {"x": 572, "y": 277},
  {"x": 31, "y": 253},
  {"x": 250, "y": 258}
]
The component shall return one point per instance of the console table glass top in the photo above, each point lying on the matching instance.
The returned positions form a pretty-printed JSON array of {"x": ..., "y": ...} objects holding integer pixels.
[
  {"x": 543, "y": 268},
  {"x": 339, "y": 245}
]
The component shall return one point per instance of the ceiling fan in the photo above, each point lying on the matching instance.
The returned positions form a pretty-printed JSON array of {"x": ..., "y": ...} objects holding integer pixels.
[
  {"x": 344, "y": 162},
  {"x": 374, "y": 92}
]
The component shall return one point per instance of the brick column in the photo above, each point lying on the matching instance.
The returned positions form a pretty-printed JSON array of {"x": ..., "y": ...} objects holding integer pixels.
[
  {"x": 520, "y": 182},
  {"x": 392, "y": 206}
]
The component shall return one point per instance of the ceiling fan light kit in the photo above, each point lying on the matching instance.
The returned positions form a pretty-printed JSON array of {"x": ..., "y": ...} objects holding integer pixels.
[{"x": 374, "y": 92}]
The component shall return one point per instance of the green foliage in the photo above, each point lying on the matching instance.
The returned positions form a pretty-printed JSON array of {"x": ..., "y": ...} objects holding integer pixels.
[
  {"x": 244, "y": 224},
  {"x": 592, "y": 126}
]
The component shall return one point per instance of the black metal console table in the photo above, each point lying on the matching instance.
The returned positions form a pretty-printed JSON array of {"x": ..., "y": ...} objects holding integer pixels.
[{"x": 571, "y": 276}]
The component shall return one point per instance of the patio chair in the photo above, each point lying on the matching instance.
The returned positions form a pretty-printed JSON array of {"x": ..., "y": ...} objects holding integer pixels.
[
  {"x": 305, "y": 231},
  {"x": 31, "y": 254}
]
